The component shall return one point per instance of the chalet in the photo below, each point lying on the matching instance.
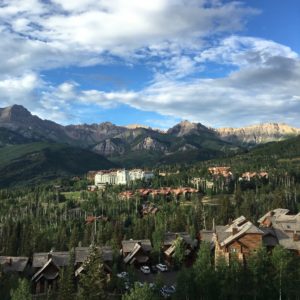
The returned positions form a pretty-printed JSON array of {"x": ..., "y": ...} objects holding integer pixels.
[
  {"x": 149, "y": 209},
  {"x": 171, "y": 241},
  {"x": 136, "y": 251},
  {"x": 46, "y": 266},
  {"x": 239, "y": 238},
  {"x": 165, "y": 192},
  {"x": 82, "y": 253},
  {"x": 284, "y": 227},
  {"x": 92, "y": 219},
  {"x": 220, "y": 172},
  {"x": 12, "y": 264},
  {"x": 248, "y": 176}
]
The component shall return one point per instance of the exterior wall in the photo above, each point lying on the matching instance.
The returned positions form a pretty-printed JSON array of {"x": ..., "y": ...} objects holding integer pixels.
[
  {"x": 242, "y": 247},
  {"x": 251, "y": 242},
  {"x": 121, "y": 176}
]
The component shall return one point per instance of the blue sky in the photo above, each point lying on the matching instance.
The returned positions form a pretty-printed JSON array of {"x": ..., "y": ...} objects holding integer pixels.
[{"x": 221, "y": 63}]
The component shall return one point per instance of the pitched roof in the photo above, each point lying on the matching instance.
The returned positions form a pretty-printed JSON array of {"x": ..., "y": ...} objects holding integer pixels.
[
  {"x": 13, "y": 264},
  {"x": 274, "y": 214},
  {"x": 247, "y": 227},
  {"x": 137, "y": 247},
  {"x": 37, "y": 276},
  {"x": 286, "y": 240},
  {"x": 61, "y": 258},
  {"x": 128, "y": 245},
  {"x": 170, "y": 238}
]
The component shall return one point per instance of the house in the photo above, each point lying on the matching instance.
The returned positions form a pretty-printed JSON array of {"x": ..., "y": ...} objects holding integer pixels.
[
  {"x": 239, "y": 238},
  {"x": 12, "y": 264},
  {"x": 149, "y": 209},
  {"x": 284, "y": 227},
  {"x": 220, "y": 172},
  {"x": 136, "y": 251},
  {"x": 248, "y": 176},
  {"x": 165, "y": 192},
  {"x": 46, "y": 266},
  {"x": 82, "y": 253},
  {"x": 92, "y": 219},
  {"x": 171, "y": 241}
]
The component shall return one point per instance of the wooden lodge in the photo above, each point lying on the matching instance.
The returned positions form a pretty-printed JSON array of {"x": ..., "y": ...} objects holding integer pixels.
[{"x": 136, "y": 252}]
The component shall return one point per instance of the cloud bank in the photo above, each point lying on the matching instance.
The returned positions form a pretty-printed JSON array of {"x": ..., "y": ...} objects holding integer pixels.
[{"x": 202, "y": 70}]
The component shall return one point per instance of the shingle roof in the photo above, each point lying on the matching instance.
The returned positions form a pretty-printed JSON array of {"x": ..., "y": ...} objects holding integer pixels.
[
  {"x": 247, "y": 227},
  {"x": 13, "y": 264},
  {"x": 170, "y": 238},
  {"x": 61, "y": 258},
  {"x": 128, "y": 245}
]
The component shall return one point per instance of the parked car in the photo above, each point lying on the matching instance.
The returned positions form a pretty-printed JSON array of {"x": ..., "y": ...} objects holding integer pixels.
[
  {"x": 162, "y": 267},
  {"x": 153, "y": 269},
  {"x": 169, "y": 289},
  {"x": 122, "y": 275},
  {"x": 164, "y": 294},
  {"x": 145, "y": 269}
]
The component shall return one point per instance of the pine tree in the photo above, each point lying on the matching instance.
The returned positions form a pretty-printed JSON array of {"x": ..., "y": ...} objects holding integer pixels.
[
  {"x": 92, "y": 280},
  {"x": 140, "y": 293},
  {"x": 66, "y": 282},
  {"x": 22, "y": 292},
  {"x": 205, "y": 277}
]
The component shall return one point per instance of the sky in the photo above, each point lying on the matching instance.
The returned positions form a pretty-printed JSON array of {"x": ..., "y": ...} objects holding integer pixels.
[{"x": 220, "y": 63}]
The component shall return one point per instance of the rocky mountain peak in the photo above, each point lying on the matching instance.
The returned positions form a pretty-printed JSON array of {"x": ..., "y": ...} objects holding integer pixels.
[
  {"x": 257, "y": 134},
  {"x": 14, "y": 113},
  {"x": 187, "y": 128}
]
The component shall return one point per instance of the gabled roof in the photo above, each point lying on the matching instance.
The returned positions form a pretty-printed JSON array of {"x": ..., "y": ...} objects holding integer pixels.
[
  {"x": 170, "y": 238},
  {"x": 248, "y": 228},
  {"x": 286, "y": 240},
  {"x": 170, "y": 250},
  {"x": 134, "y": 251},
  {"x": 275, "y": 213},
  {"x": 128, "y": 245},
  {"x": 13, "y": 264},
  {"x": 37, "y": 276},
  {"x": 61, "y": 258}
]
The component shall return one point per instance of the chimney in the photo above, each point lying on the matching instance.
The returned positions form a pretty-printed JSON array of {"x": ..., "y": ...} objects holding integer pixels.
[
  {"x": 50, "y": 254},
  {"x": 234, "y": 230},
  {"x": 9, "y": 261},
  {"x": 296, "y": 237}
]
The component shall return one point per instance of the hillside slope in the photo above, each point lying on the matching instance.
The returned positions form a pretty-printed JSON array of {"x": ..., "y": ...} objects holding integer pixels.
[{"x": 35, "y": 162}]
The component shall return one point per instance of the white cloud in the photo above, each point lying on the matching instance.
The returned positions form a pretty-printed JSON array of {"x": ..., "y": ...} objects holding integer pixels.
[
  {"x": 176, "y": 38},
  {"x": 37, "y": 35}
]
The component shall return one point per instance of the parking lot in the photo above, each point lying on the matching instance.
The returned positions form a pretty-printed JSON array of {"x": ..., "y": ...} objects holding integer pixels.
[{"x": 168, "y": 278}]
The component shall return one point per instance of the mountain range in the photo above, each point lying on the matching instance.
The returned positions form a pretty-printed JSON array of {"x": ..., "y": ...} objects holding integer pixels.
[{"x": 133, "y": 145}]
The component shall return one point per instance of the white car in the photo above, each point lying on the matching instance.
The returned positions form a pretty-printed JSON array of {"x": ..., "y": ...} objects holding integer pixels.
[
  {"x": 122, "y": 275},
  {"x": 162, "y": 268},
  {"x": 145, "y": 269}
]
